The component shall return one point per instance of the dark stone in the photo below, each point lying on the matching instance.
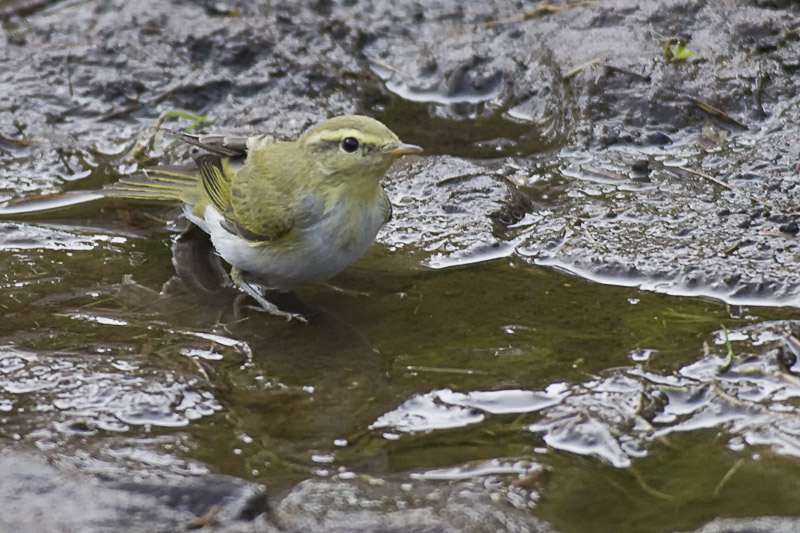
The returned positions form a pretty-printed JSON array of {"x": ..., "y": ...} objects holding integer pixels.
[{"x": 657, "y": 138}]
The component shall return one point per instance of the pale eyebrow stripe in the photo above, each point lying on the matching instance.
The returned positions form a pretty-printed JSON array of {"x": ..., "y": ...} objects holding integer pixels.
[
  {"x": 365, "y": 146},
  {"x": 342, "y": 133}
]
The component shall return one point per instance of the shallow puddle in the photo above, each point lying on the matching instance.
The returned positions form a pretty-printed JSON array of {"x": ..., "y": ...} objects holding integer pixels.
[{"x": 497, "y": 371}]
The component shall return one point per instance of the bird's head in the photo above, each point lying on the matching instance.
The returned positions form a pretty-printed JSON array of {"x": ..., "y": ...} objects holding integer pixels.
[{"x": 353, "y": 147}]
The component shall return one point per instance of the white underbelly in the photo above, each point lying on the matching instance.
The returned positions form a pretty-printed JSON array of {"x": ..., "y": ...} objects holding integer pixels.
[{"x": 319, "y": 251}]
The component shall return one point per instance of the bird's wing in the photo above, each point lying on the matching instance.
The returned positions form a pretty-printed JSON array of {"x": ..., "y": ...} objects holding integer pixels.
[
  {"x": 219, "y": 144},
  {"x": 217, "y": 168},
  {"x": 386, "y": 208},
  {"x": 268, "y": 200},
  {"x": 215, "y": 175},
  {"x": 216, "y": 184}
]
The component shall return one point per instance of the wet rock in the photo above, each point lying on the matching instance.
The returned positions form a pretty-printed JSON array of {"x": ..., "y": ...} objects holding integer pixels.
[
  {"x": 442, "y": 211},
  {"x": 786, "y": 359},
  {"x": 486, "y": 57},
  {"x": 657, "y": 138},
  {"x": 669, "y": 231},
  {"x": 44, "y": 498},
  {"x": 789, "y": 227},
  {"x": 641, "y": 168},
  {"x": 47, "y": 498},
  {"x": 767, "y": 524},
  {"x": 425, "y": 507},
  {"x": 477, "y": 71}
]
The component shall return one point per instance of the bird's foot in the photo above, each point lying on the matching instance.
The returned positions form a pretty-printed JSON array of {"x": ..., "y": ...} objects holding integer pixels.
[
  {"x": 265, "y": 306},
  {"x": 255, "y": 291}
]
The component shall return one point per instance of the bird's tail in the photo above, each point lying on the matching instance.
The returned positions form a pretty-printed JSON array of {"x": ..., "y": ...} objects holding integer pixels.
[{"x": 159, "y": 184}]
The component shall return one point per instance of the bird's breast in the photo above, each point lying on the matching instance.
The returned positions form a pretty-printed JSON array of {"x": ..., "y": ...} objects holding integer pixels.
[
  {"x": 312, "y": 252},
  {"x": 348, "y": 228}
]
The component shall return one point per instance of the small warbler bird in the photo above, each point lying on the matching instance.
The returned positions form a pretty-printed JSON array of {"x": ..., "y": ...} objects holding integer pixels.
[{"x": 282, "y": 213}]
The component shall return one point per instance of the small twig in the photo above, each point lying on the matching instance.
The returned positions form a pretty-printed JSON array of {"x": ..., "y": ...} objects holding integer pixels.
[
  {"x": 716, "y": 113},
  {"x": 545, "y": 9},
  {"x": 98, "y": 303},
  {"x": 435, "y": 370},
  {"x": 579, "y": 68},
  {"x": 594, "y": 242},
  {"x": 610, "y": 174},
  {"x": 20, "y": 142},
  {"x": 647, "y": 488},
  {"x": 722, "y": 393},
  {"x": 705, "y": 176},
  {"x": 387, "y": 66},
  {"x": 145, "y": 138},
  {"x": 791, "y": 378},
  {"x": 728, "y": 475},
  {"x": 347, "y": 292},
  {"x": 25, "y": 8},
  {"x": 202, "y": 370},
  {"x": 147, "y": 135},
  {"x": 643, "y": 77},
  {"x": 206, "y": 519},
  {"x": 157, "y": 99},
  {"x": 615, "y": 68},
  {"x": 735, "y": 246},
  {"x": 459, "y": 178}
]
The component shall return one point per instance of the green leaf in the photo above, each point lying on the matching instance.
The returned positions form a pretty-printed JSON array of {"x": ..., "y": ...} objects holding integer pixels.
[
  {"x": 729, "y": 358},
  {"x": 681, "y": 52},
  {"x": 197, "y": 120}
]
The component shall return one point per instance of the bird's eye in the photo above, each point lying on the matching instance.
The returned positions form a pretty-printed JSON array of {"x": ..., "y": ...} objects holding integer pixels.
[{"x": 350, "y": 144}]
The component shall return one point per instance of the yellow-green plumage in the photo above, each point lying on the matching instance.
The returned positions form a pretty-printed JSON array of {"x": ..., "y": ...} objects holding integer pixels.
[{"x": 286, "y": 212}]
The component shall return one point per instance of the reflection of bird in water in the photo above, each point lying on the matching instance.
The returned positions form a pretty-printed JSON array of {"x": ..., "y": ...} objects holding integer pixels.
[
  {"x": 199, "y": 271},
  {"x": 348, "y": 378}
]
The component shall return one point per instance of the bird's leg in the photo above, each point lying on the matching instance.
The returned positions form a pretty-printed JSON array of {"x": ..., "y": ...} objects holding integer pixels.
[{"x": 255, "y": 291}]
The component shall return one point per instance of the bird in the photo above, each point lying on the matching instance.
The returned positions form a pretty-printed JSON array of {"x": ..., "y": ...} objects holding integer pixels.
[{"x": 282, "y": 214}]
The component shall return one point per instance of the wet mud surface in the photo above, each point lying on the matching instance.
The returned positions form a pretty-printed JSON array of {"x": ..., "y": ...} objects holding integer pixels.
[{"x": 577, "y": 319}]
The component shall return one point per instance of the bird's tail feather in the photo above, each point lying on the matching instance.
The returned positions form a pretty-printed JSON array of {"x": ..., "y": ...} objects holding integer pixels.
[{"x": 158, "y": 184}]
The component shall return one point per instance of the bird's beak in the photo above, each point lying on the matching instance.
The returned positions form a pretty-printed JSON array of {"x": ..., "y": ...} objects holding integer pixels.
[{"x": 401, "y": 149}]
